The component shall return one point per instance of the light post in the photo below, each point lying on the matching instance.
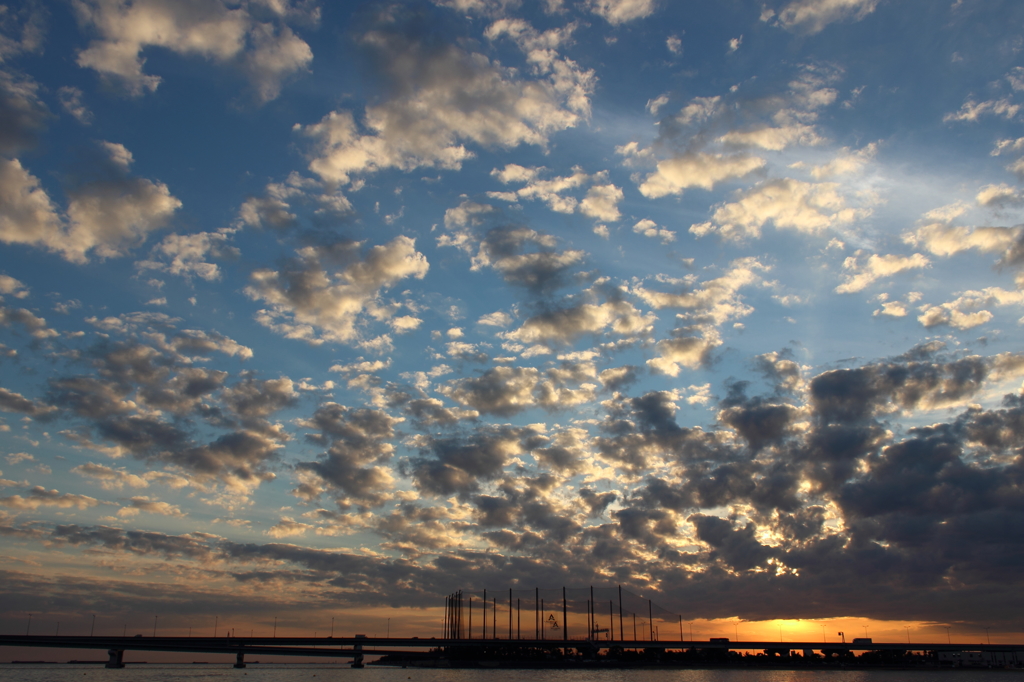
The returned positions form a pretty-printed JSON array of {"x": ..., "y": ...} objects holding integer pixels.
[
  {"x": 948, "y": 640},
  {"x": 987, "y": 636}
]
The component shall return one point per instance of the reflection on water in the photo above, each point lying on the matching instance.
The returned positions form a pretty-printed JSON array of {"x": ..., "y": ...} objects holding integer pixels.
[{"x": 326, "y": 672}]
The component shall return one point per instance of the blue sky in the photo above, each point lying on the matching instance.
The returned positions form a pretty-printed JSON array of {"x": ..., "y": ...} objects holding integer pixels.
[{"x": 696, "y": 298}]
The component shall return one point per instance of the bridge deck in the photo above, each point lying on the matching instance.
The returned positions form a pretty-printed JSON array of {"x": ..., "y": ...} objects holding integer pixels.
[{"x": 341, "y": 647}]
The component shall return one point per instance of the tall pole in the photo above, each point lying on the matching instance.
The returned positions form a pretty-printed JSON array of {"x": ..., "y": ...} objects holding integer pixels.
[
  {"x": 621, "y": 637},
  {"x": 650, "y": 621},
  {"x": 510, "y": 614},
  {"x": 494, "y": 618},
  {"x": 634, "y": 627},
  {"x": 611, "y": 619},
  {"x": 542, "y": 634},
  {"x": 590, "y": 614},
  {"x": 536, "y": 612},
  {"x": 565, "y": 629},
  {"x": 680, "y": 628},
  {"x": 485, "y": 616},
  {"x": 470, "y": 617},
  {"x": 519, "y": 619}
]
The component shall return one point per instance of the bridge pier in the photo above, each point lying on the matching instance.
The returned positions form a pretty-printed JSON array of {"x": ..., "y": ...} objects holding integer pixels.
[
  {"x": 116, "y": 658},
  {"x": 240, "y": 659}
]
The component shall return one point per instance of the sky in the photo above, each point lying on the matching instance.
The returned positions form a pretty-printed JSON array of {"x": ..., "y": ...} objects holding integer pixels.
[{"x": 319, "y": 310}]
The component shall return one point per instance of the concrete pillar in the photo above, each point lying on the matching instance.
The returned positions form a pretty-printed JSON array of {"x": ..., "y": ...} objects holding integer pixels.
[
  {"x": 240, "y": 659},
  {"x": 116, "y": 658}
]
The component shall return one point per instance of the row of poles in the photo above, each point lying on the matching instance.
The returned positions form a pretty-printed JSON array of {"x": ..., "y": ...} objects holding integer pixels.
[{"x": 458, "y": 617}]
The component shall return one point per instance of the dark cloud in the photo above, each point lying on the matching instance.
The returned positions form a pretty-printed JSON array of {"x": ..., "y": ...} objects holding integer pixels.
[
  {"x": 355, "y": 439},
  {"x": 458, "y": 465}
]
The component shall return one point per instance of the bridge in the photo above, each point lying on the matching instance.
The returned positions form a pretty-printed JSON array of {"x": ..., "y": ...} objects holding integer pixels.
[{"x": 355, "y": 648}]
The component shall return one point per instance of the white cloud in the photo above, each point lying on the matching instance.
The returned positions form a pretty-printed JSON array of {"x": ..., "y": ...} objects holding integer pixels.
[
  {"x": 145, "y": 504},
  {"x": 496, "y": 319},
  {"x": 968, "y": 309},
  {"x": 564, "y": 326},
  {"x": 215, "y": 30},
  {"x": 601, "y": 202},
  {"x": 697, "y": 170},
  {"x": 617, "y": 12},
  {"x": 649, "y": 228},
  {"x": 466, "y": 213},
  {"x": 188, "y": 255},
  {"x": 674, "y": 45},
  {"x": 10, "y": 286},
  {"x": 110, "y": 215},
  {"x": 690, "y": 350},
  {"x": 654, "y": 105},
  {"x": 448, "y": 96},
  {"x": 41, "y": 497},
  {"x": 971, "y": 111},
  {"x": 846, "y": 163},
  {"x": 772, "y": 138},
  {"x": 860, "y": 273},
  {"x": 310, "y": 300},
  {"x": 999, "y": 195},
  {"x": 288, "y": 527},
  {"x": 811, "y": 16},
  {"x": 27, "y": 216},
  {"x": 71, "y": 100},
  {"x": 107, "y": 215},
  {"x": 947, "y": 240},
  {"x": 715, "y": 301},
  {"x": 789, "y": 204}
]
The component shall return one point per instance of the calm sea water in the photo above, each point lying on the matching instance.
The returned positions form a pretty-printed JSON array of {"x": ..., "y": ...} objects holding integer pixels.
[{"x": 327, "y": 672}]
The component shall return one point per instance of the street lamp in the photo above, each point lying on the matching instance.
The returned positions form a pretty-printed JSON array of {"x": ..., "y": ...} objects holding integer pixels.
[
  {"x": 907, "y": 628},
  {"x": 987, "y": 636},
  {"x": 948, "y": 640}
]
